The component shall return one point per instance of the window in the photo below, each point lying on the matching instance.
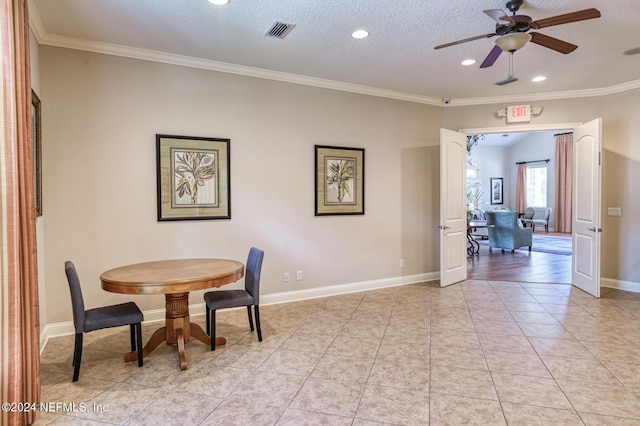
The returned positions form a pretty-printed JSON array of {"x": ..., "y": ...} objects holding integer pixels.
[
  {"x": 474, "y": 189},
  {"x": 537, "y": 186}
]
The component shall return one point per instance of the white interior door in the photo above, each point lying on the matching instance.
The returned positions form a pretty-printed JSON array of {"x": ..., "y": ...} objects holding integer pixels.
[
  {"x": 587, "y": 154},
  {"x": 453, "y": 216}
]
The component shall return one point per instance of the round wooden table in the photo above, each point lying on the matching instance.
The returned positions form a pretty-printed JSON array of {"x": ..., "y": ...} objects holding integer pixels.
[{"x": 175, "y": 279}]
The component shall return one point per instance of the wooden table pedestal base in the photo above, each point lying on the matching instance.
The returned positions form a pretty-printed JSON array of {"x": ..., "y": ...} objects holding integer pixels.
[{"x": 178, "y": 330}]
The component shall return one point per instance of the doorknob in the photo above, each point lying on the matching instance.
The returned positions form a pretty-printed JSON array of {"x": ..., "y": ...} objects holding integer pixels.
[
  {"x": 444, "y": 227},
  {"x": 594, "y": 229}
]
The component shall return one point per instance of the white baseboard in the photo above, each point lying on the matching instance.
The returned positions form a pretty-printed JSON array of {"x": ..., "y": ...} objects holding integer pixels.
[
  {"x": 157, "y": 315},
  {"x": 620, "y": 285},
  {"x": 66, "y": 328}
]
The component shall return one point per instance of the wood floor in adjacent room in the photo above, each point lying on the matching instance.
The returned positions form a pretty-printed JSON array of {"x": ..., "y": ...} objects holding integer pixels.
[{"x": 521, "y": 266}]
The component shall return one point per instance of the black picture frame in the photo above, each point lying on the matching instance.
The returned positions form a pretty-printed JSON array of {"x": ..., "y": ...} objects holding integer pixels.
[
  {"x": 36, "y": 122},
  {"x": 193, "y": 177},
  {"x": 497, "y": 190},
  {"x": 339, "y": 180}
]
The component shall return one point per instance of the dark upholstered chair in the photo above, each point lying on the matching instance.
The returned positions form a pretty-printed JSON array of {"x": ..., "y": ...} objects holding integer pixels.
[
  {"x": 507, "y": 231},
  {"x": 99, "y": 318},
  {"x": 250, "y": 296}
]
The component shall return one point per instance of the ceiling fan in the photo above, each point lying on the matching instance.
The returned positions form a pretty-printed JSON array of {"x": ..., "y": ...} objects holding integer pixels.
[{"x": 516, "y": 26}]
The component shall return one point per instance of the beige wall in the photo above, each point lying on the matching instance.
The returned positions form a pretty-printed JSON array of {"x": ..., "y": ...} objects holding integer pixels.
[
  {"x": 620, "y": 170},
  {"x": 35, "y": 85},
  {"x": 101, "y": 116},
  {"x": 554, "y": 111},
  {"x": 621, "y": 176}
]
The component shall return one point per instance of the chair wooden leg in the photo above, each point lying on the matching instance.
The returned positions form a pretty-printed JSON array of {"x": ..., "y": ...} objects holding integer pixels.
[
  {"x": 250, "y": 317},
  {"x": 212, "y": 327},
  {"x": 258, "y": 323},
  {"x": 206, "y": 308},
  {"x": 77, "y": 356},
  {"x": 138, "y": 328}
]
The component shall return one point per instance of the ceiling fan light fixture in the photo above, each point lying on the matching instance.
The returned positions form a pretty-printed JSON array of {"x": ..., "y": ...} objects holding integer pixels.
[
  {"x": 512, "y": 42},
  {"x": 539, "y": 78}
]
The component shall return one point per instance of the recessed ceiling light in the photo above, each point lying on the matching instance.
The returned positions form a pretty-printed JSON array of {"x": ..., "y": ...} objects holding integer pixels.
[
  {"x": 359, "y": 34},
  {"x": 219, "y": 2},
  {"x": 468, "y": 62},
  {"x": 539, "y": 78}
]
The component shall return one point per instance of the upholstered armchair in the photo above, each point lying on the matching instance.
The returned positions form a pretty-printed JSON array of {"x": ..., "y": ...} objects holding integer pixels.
[
  {"x": 507, "y": 231},
  {"x": 543, "y": 222},
  {"x": 528, "y": 216}
]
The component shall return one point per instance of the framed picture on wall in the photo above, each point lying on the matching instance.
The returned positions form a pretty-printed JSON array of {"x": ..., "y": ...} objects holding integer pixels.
[
  {"x": 193, "y": 178},
  {"x": 339, "y": 180},
  {"x": 36, "y": 123},
  {"x": 497, "y": 191}
]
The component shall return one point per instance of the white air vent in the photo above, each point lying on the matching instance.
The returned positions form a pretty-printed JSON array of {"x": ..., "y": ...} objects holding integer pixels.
[{"x": 280, "y": 30}]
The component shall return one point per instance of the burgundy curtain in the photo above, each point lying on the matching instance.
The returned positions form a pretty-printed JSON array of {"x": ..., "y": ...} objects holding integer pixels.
[
  {"x": 564, "y": 183},
  {"x": 521, "y": 188},
  {"x": 19, "y": 322}
]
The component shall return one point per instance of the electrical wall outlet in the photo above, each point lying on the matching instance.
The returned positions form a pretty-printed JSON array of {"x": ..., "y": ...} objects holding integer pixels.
[
  {"x": 286, "y": 277},
  {"x": 299, "y": 275}
]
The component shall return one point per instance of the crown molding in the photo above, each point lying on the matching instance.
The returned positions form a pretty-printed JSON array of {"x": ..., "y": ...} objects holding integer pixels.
[
  {"x": 191, "y": 62},
  {"x": 44, "y": 38},
  {"x": 569, "y": 94},
  {"x": 35, "y": 22}
]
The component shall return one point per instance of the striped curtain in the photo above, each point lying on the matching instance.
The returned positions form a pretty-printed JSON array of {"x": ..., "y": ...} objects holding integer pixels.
[
  {"x": 564, "y": 183},
  {"x": 19, "y": 322},
  {"x": 521, "y": 188}
]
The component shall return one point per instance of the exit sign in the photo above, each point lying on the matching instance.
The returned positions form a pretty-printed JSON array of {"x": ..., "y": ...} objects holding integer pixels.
[{"x": 518, "y": 113}]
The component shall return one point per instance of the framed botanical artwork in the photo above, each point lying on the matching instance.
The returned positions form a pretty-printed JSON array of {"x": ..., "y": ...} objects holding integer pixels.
[
  {"x": 193, "y": 178},
  {"x": 497, "y": 191},
  {"x": 36, "y": 123},
  {"x": 339, "y": 180}
]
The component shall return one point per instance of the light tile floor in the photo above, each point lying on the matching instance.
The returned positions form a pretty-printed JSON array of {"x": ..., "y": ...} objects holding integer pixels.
[{"x": 480, "y": 352}]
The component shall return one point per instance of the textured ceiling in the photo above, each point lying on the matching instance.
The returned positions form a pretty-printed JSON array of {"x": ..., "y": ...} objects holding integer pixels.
[{"x": 398, "y": 57}]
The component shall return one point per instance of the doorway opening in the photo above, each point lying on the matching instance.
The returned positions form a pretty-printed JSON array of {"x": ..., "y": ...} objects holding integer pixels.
[{"x": 492, "y": 177}]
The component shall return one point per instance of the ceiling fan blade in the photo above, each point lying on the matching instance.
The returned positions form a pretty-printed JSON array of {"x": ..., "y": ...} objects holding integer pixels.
[
  {"x": 552, "y": 43},
  {"x": 492, "y": 57},
  {"x": 453, "y": 43},
  {"x": 499, "y": 16},
  {"x": 580, "y": 15}
]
